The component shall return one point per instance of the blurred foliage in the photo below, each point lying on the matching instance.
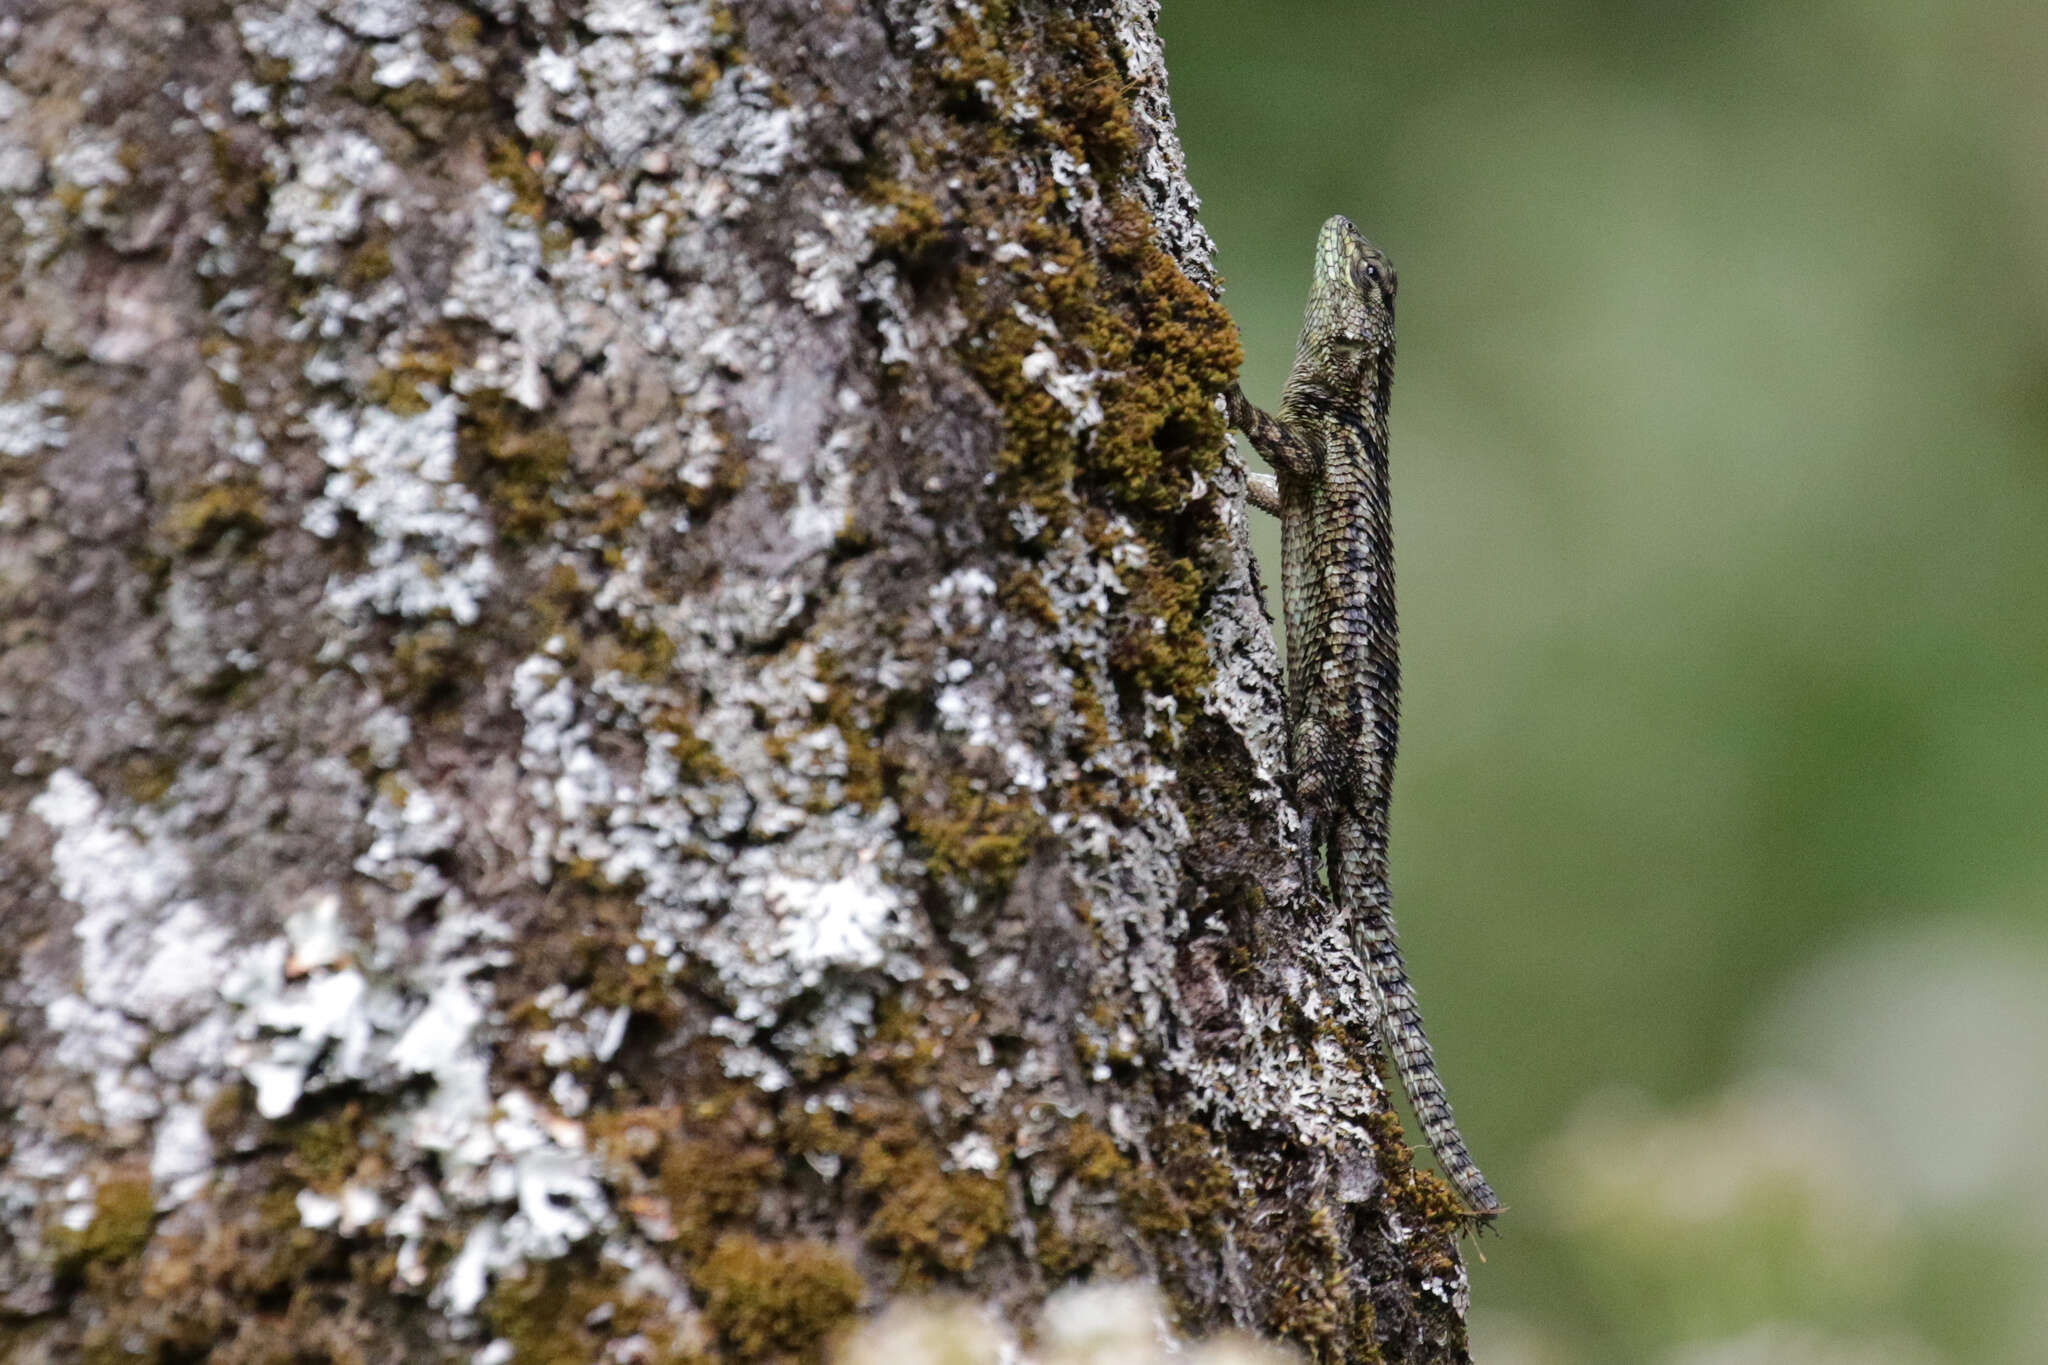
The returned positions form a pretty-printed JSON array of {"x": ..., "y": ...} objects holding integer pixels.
[{"x": 1721, "y": 461}]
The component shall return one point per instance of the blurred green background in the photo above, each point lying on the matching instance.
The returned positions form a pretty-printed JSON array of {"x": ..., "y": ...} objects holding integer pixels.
[{"x": 1721, "y": 482}]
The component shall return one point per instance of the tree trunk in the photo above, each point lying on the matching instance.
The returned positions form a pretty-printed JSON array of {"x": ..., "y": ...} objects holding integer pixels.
[{"x": 636, "y": 715}]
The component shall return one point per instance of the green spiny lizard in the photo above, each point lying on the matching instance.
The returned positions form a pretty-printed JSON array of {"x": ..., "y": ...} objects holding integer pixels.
[{"x": 1328, "y": 444}]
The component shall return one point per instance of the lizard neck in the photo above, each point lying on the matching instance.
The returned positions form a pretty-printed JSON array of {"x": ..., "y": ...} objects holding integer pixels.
[
  {"x": 1342, "y": 402},
  {"x": 1345, "y": 383}
]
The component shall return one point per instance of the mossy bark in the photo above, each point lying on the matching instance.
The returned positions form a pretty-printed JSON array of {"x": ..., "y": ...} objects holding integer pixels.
[{"x": 637, "y": 713}]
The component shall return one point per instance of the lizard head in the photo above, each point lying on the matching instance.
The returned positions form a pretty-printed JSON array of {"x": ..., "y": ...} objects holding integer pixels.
[{"x": 1351, "y": 301}]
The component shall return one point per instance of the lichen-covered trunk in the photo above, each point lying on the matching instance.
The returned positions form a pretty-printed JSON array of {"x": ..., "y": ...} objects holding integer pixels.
[{"x": 634, "y": 713}]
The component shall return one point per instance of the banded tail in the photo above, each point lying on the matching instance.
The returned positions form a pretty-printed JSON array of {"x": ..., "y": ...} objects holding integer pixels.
[{"x": 1361, "y": 891}]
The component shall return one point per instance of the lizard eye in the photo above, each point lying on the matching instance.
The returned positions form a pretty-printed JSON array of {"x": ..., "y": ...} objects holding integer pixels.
[{"x": 1372, "y": 271}]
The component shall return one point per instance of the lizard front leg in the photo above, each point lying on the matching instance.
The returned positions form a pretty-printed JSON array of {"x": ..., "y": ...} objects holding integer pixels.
[
  {"x": 1287, "y": 452},
  {"x": 1280, "y": 446}
]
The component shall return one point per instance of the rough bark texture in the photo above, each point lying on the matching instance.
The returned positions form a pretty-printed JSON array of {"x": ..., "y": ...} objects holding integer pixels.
[{"x": 635, "y": 713}]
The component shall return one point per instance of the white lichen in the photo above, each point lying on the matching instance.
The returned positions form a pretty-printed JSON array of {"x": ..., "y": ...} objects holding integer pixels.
[
  {"x": 327, "y": 179},
  {"x": 498, "y": 281},
  {"x": 627, "y": 86},
  {"x": 396, "y": 476},
  {"x": 1072, "y": 389},
  {"x": 33, "y": 424},
  {"x": 828, "y": 257},
  {"x": 294, "y": 33}
]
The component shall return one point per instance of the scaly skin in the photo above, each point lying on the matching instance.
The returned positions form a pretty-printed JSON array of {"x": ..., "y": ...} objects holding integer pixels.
[{"x": 1329, "y": 447}]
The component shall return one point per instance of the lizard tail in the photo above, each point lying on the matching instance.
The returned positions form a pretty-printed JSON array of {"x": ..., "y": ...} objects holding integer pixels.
[{"x": 1360, "y": 883}]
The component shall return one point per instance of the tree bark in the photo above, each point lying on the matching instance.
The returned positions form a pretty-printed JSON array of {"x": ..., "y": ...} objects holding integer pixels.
[{"x": 636, "y": 713}]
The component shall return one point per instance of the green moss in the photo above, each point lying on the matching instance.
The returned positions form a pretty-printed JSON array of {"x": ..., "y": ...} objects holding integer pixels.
[
  {"x": 369, "y": 264},
  {"x": 634, "y": 648},
  {"x": 1090, "y": 1155},
  {"x": 518, "y": 168},
  {"x": 281, "y": 1250},
  {"x": 430, "y": 666},
  {"x": 146, "y": 777},
  {"x": 771, "y": 1300},
  {"x": 697, "y": 761},
  {"x": 1023, "y": 593},
  {"x": 1204, "y": 1182},
  {"x": 1310, "y": 1303},
  {"x": 915, "y": 235},
  {"x": 1423, "y": 1197},
  {"x": 462, "y": 32},
  {"x": 931, "y": 1219},
  {"x": 1150, "y": 1204},
  {"x": 226, "y": 1112},
  {"x": 728, "y": 477},
  {"x": 1120, "y": 308},
  {"x": 585, "y": 942},
  {"x": 123, "y": 1216},
  {"x": 712, "y": 1186},
  {"x": 1088, "y": 102},
  {"x": 975, "y": 836},
  {"x": 196, "y": 524},
  {"x": 516, "y": 458},
  {"x": 867, "y": 776},
  {"x": 402, "y": 386},
  {"x": 325, "y": 1151},
  {"x": 619, "y": 512},
  {"x": 1161, "y": 646},
  {"x": 572, "y": 1311}
]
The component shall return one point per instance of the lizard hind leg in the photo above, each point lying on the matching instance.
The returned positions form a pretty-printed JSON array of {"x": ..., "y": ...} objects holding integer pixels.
[{"x": 1312, "y": 834}]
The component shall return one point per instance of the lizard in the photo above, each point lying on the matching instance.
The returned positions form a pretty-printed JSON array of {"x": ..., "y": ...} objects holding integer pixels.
[{"x": 1328, "y": 447}]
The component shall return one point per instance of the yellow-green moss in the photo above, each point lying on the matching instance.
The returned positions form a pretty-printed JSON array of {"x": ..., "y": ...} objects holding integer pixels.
[
  {"x": 1121, "y": 308},
  {"x": 931, "y": 1219},
  {"x": 1204, "y": 1182},
  {"x": 776, "y": 1299},
  {"x": 976, "y": 836},
  {"x": 430, "y": 666},
  {"x": 1423, "y": 1197},
  {"x": 634, "y": 648},
  {"x": 570, "y": 1311},
  {"x": 326, "y": 1151},
  {"x": 516, "y": 458},
  {"x": 145, "y": 777},
  {"x": 400, "y": 386},
  {"x": 123, "y": 1216},
  {"x": 1161, "y": 647},
  {"x": 712, "y": 1186},
  {"x": 518, "y": 169},
  {"x": 728, "y": 476},
  {"x": 226, "y": 1112},
  {"x": 1090, "y": 1155},
  {"x": 696, "y": 761},
  {"x": 584, "y": 943},
  {"x": 368, "y": 265},
  {"x": 1310, "y": 1303},
  {"x": 196, "y": 524},
  {"x": 914, "y": 231},
  {"x": 281, "y": 1250}
]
